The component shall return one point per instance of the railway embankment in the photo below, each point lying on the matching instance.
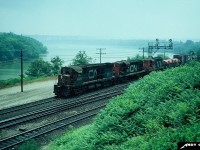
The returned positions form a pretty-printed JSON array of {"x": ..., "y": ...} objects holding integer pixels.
[{"x": 156, "y": 112}]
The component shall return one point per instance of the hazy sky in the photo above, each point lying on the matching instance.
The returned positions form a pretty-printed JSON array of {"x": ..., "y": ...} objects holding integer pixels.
[{"x": 103, "y": 18}]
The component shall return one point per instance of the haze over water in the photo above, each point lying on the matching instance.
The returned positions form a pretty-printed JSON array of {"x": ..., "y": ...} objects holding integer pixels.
[{"x": 104, "y": 19}]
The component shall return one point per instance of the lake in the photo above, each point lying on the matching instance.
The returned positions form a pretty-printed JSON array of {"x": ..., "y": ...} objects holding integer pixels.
[{"x": 66, "y": 50}]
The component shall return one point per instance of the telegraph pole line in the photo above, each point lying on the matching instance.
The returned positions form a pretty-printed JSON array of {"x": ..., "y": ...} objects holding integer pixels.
[
  {"x": 142, "y": 52},
  {"x": 22, "y": 70},
  {"x": 100, "y": 52}
]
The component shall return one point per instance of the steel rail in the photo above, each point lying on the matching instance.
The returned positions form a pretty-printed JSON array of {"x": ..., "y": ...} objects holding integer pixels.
[
  {"x": 55, "y": 109},
  {"x": 27, "y": 135},
  {"x": 24, "y": 106},
  {"x": 48, "y": 100}
]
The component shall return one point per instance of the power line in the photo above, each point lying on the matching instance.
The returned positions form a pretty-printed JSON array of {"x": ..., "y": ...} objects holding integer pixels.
[{"x": 100, "y": 52}]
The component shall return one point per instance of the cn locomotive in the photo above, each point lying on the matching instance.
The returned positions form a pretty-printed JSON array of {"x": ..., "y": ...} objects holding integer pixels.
[{"x": 78, "y": 79}]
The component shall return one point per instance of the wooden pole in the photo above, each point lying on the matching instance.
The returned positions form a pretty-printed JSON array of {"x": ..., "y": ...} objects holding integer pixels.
[{"x": 21, "y": 71}]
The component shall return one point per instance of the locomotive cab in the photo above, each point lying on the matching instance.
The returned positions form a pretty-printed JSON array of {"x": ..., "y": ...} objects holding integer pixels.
[
  {"x": 68, "y": 75},
  {"x": 67, "y": 79}
]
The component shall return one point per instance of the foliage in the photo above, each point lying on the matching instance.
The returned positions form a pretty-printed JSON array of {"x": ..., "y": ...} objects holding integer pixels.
[
  {"x": 56, "y": 65},
  {"x": 9, "y": 82},
  {"x": 156, "y": 112},
  {"x": 187, "y": 47},
  {"x": 137, "y": 57},
  {"x": 11, "y": 44},
  {"x": 29, "y": 145},
  {"x": 39, "y": 68},
  {"x": 75, "y": 139},
  {"x": 16, "y": 81},
  {"x": 163, "y": 56},
  {"x": 81, "y": 58},
  {"x": 44, "y": 68}
]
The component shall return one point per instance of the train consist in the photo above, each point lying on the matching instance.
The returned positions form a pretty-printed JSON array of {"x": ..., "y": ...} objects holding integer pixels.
[{"x": 79, "y": 79}]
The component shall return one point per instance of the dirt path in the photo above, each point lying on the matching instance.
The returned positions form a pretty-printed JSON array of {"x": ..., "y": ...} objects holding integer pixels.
[{"x": 32, "y": 92}]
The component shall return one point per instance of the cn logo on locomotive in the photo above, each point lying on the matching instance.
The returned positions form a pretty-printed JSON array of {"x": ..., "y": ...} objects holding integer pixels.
[
  {"x": 133, "y": 68},
  {"x": 92, "y": 74}
]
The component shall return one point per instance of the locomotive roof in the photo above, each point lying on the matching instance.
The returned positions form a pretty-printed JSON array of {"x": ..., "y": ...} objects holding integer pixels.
[
  {"x": 79, "y": 69},
  {"x": 127, "y": 62}
]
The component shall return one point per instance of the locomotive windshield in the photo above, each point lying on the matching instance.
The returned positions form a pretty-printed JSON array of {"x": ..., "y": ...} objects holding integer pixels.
[{"x": 65, "y": 71}]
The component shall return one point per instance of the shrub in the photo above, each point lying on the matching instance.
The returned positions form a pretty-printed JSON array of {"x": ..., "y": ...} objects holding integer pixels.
[{"x": 156, "y": 112}]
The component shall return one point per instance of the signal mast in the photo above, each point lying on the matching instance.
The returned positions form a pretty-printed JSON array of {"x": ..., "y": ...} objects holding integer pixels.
[{"x": 153, "y": 47}]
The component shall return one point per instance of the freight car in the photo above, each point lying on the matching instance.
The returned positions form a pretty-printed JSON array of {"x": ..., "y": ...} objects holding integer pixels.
[
  {"x": 126, "y": 70},
  {"x": 79, "y": 79}
]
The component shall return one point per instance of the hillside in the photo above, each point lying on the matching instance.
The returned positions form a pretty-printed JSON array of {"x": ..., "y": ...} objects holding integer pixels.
[
  {"x": 156, "y": 112},
  {"x": 11, "y": 44}
]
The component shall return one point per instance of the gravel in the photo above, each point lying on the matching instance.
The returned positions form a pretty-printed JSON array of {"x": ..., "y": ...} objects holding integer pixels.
[{"x": 32, "y": 92}]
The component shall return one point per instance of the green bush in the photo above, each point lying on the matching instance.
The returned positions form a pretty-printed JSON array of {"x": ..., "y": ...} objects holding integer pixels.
[
  {"x": 9, "y": 82},
  {"x": 154, "y": 113},
  {"x": 29, "y": 145}
]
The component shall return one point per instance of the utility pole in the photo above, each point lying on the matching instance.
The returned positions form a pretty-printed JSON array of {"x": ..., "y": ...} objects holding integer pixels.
[
  {"x": 21, "y": 71},
  {"x": 164, "y": 55},
  {"x": 100, "y": 52},
  {"x": 142, "y": 52}
]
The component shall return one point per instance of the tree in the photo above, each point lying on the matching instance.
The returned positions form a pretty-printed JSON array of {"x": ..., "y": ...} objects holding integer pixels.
[
  {"x": 81, "y": 58},
  {"x": 137, "y": 57},
  {"x": 163, "y": 56},
  {"x": 39, "y": 68},
  {"x": 56, "y": 64},
  {"x": 11, "y": 44}
]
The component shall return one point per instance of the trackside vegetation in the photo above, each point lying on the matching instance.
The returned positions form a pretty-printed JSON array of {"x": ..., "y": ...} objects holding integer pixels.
[
  {"x": 17, "y": 81},
  {"x": 155, "y": 113}
]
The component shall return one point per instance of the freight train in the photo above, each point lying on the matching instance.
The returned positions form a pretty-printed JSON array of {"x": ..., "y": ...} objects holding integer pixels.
[{"x": 74, "y": 80}]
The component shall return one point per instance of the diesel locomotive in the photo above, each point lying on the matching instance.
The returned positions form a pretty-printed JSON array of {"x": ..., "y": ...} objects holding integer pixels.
[{"x": 74, "y": 80}]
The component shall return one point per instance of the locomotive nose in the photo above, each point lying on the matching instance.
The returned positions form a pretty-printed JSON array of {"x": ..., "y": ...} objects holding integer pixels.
[{"x": 66, "y": 80}]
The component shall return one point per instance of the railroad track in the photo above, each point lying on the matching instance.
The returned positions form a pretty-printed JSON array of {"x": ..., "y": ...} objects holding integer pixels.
[
  {"x": 60, "y": 107},
  {"x": 25, "y": 106},
  {"x": 16, "y": 110},
  {"x": 27, "y": 135}
]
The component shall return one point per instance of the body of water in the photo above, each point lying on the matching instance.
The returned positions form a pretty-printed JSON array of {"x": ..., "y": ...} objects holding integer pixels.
[{"x": 67, "y": 51}]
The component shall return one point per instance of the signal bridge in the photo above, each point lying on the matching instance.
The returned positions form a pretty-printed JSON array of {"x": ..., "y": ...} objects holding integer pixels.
[{"x": 157, "y": 45}]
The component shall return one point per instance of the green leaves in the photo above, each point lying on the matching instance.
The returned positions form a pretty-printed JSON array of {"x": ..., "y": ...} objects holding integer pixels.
[
  {"x": 154, "y": 113},
  {"x": 39, "y": 68},
  {"x": 44, "y": 68},
  {"x": 56, "y": 65},
  {"x": 81, "y": 58},
  {"x": 11, "y": 44}
]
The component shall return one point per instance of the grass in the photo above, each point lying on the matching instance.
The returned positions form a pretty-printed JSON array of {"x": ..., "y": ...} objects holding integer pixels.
[
  {"x": 17, "y": 81},
  {"x": 156, "y": 112},
  {"x": 29, "y": 145}
]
